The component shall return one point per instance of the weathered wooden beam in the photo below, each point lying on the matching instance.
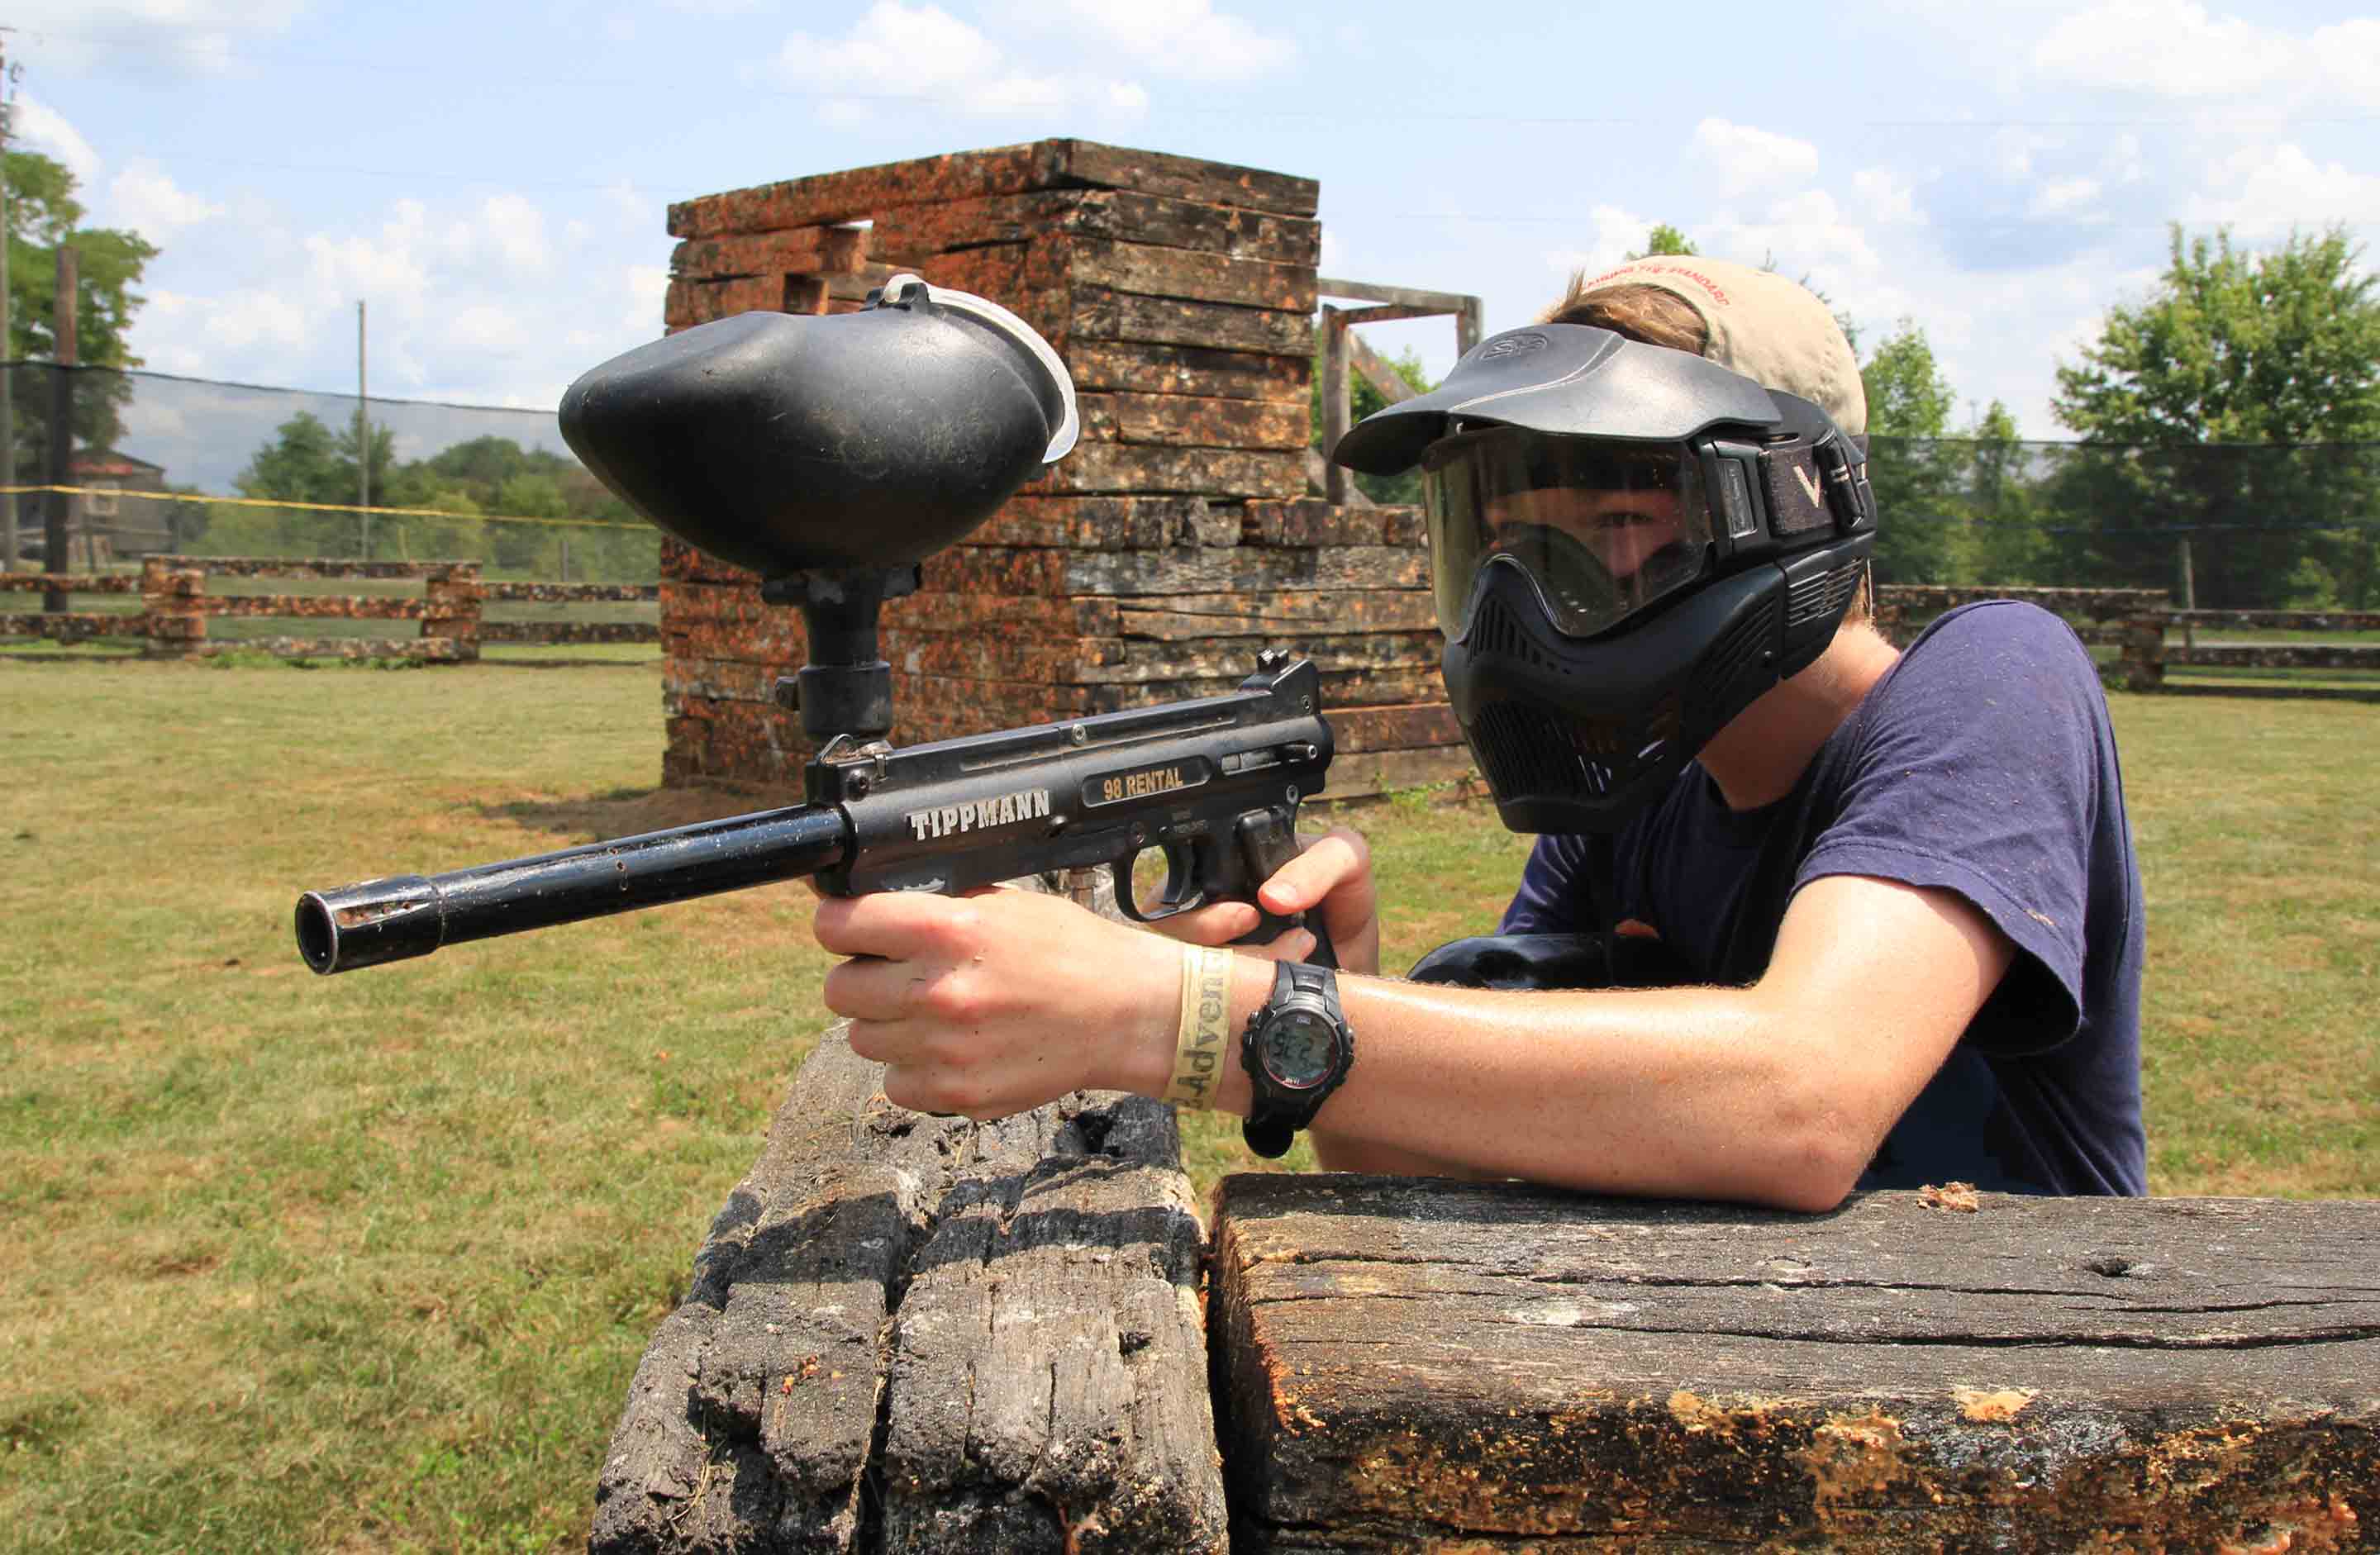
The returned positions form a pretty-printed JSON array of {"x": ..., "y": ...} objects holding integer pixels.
[
  {"x": 1377, "y": 370},
  {"x": 570, "y": 631},
  {"x": 858, "y": 194},
  {"x": 1387, "y": 313},
  {"x": 2099, "y": 603},
  {"x": 2276, "y": 655},
  {"x": 915, "y": 233},
  {"x": 809, "y": 250},
  {"x": 1432, "y": 1365},
  {"x": 1192, "y": 421},
  {"x": 570, "y": 594},
  {"x": 311, "y": 567},
  {"x": 931, "y": 1335},
  {"x": 434, "y": 649},
  {"x": 1144, "y": 367},
  {"x": 72, "y": 582},
  {"x": 351, "y": 607},
  {"x": 1428, "y": 302},
  {"x": 80, "y": 625},
  {"x": 1338, "y": 408},
  {"x": 1286, "y": 613},
  {"x": 2283, "y": 620}
]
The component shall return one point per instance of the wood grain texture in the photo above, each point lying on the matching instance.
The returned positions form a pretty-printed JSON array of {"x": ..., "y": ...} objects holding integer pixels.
[
  {"x": 928, "y": 1334},
  {"x": 1496, "y": 1368}
]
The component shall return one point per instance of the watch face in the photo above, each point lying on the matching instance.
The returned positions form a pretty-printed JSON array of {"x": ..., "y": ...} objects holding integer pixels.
[{"x": 1298, "y": 1049}]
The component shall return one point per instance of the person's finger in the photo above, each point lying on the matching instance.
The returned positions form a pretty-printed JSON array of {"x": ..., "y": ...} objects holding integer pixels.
[
  {"x": 1219, "y": 923},
  {"x": 1334, "y": 858},
  {"x": 898, "y": 925}
]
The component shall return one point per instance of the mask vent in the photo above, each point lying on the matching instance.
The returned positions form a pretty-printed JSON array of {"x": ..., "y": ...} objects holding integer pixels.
[
  {"x": 1524, "y": 750},
  {"x": 1821, "y": 596},
  {"x": 1734, "y": 653},
  {"x": 1494, "y": 633}
]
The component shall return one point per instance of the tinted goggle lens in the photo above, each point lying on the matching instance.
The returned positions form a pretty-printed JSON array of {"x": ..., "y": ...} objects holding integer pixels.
[{"x": 1603, "y": 530}]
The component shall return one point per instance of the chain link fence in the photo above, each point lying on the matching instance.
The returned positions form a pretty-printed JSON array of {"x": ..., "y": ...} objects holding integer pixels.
[
  {"x": 193, "y": 466},
  {"x": 158, "y": 464}
]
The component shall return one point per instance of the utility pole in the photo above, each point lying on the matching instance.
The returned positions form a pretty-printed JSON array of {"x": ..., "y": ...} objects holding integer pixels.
[
  {"x": 363, "y": 435},
  {"x": 9, "y": 560},
  {"x": 61, "y": 450}
]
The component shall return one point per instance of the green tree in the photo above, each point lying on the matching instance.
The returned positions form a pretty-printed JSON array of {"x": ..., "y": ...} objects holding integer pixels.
[
  {"x": 2203, "y": 398},
  {"x": 1921, "y": 533},
  {"x": 1665, "y": 239},
  {"x": 43, "y": 215},
  {"x": 2008, "y": 547}
]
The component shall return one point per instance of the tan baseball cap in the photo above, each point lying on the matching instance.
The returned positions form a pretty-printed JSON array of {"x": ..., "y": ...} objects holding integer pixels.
[{"x": 1773, "y": 330}]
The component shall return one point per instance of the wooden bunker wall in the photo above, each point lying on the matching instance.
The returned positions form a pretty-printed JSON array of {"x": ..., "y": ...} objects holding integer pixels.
[{"x": 1156, "y": 560}]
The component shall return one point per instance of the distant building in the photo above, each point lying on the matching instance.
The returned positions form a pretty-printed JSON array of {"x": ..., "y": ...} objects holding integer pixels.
[{"x": 119, "y": 513}]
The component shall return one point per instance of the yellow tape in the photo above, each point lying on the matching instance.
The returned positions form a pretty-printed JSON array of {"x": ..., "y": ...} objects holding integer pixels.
[{"x": 119, "y": 494}]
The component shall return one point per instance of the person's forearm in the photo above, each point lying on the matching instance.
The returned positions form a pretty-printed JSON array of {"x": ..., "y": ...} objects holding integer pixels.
[{"x": 1672, "y": 1092}]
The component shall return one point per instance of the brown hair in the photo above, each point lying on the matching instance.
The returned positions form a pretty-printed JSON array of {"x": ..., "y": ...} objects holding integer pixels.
[{"x": 1649, "y": 314}]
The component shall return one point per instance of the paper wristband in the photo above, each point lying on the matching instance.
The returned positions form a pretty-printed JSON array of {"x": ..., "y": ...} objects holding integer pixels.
[{"x": 1199, "y": 1042}]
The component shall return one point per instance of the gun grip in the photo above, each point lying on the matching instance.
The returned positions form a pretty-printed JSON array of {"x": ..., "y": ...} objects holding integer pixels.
[{"x": 1267, "y": 838}]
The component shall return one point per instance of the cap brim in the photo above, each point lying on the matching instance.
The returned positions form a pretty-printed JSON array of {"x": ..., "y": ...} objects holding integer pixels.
[{"x": 1566, "y": 379}]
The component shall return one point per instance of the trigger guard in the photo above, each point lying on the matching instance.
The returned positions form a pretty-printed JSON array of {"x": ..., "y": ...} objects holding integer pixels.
[{"x": 1128, "y": 900}]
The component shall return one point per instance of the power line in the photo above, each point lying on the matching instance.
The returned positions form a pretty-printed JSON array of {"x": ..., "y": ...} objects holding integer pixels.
[{"x": 1191, "y": 107}]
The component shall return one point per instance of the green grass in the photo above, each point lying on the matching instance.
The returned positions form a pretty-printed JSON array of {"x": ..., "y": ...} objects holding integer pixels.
[{"x": 365, "y": 1262}]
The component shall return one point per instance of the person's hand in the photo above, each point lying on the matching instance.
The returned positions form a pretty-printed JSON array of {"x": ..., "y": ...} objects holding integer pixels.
[
  {"x": 995, "y": 1002},
  {"x": 1333, "y": 876}
]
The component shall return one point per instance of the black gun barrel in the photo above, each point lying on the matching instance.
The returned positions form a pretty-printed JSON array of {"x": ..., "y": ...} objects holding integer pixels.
[{"x": 404, "y": 916}]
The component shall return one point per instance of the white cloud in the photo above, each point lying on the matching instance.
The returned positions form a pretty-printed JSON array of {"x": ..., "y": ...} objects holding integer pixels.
[
  {"x": 2264, "y": 191},
  {"x": 149, "y": 203},
  {"x": 1618, "y": 234},
  {"x": 517, "y": 230},
  {"x": 40, "y": 127},
  {"x": 244, "y": 319},
  {"x": 2180, "y": 49},
  {"x": 1807, "y": 233},
  {"x": 391, "y": 267},
  {"x": 2013, "y": 151},
  {"x": 648, "y": 287},
  {"x": 899, "y": 55},
  {"x": 2064, "y": 197},
  {"x": 1188, "y": 39},
  {"x": 484, "y": 327},
  {"x": 914, "y": 52},
  {"x": 1890, "y": 199},
  {"x": 1746, "y": 160}
]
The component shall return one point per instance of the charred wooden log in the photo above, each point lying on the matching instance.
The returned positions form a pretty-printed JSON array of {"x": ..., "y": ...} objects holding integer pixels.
[{"x": 1411, "y": 1365}]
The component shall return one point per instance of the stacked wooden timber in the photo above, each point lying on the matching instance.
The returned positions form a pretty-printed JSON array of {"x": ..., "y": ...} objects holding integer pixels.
[
  {"x": 1152, "y": 564},
  {"x": 932, "y": 1335}
]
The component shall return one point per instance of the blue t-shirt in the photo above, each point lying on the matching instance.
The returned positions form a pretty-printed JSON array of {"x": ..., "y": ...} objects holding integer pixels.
[{"x": 1981, "y": 763}]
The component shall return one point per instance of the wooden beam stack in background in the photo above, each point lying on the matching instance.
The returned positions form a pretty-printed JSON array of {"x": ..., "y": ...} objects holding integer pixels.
[{"x": 1154, "y": 562}]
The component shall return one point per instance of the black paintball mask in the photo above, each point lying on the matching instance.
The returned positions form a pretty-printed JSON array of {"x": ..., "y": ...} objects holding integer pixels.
[{"x": 1628, "y": 545}]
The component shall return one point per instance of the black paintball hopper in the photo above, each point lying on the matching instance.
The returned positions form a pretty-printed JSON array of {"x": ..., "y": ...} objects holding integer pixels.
[
  {"x": 831, "y": 455},
  {"x": 1565, "y": 379},
  {"x": 790, "y": 443}
]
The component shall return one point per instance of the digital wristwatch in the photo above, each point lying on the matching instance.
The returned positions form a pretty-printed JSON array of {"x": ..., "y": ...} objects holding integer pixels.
[{"x": 1297, "y": 1048}]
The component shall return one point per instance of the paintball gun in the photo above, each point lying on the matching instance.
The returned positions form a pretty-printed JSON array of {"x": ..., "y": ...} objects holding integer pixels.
[{"x": 831, "y": 455}]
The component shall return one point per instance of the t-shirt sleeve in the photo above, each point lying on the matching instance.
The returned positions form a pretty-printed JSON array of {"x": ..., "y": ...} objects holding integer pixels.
[{"x": 1977, "y": 771}]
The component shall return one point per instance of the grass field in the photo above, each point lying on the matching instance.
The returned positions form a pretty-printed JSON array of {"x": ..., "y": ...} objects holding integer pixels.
[{"x": 364, "y": 1263}]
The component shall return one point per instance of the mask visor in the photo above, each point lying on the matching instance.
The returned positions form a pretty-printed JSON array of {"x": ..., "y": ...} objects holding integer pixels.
[{"x": 1603, "y": 528}]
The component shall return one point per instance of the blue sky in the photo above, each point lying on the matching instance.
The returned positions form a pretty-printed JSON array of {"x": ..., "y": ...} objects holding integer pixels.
[{"x": 493, "y": 179}]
